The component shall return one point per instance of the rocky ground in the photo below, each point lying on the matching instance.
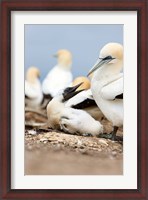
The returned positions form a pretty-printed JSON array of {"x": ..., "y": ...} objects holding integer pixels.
[{"x": 50, "y": 152}]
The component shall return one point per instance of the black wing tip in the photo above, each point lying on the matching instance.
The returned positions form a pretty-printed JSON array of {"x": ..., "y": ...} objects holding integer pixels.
[
  {"x": 85, "y": 104},
  {"x": 120, "y": 96}
]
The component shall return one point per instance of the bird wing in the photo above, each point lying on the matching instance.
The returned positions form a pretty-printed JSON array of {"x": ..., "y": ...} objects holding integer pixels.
[
  {"x": 30, "y": 92},
  {"x": 85, "y": 104},
  {"x": 113, "y": 90},
  {"x": 82, "y": 100}
]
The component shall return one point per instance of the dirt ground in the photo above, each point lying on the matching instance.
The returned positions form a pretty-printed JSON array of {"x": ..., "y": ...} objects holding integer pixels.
[{"x": 50, "y": 152}]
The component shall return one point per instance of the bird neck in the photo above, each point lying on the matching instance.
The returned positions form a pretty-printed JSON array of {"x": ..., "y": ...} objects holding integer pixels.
[
  {"x": 65, "y": 67},
  {"x": 108, "y": 71},
  {"x": 55, "y": 106},
  {"x": 32, "y": 79}
]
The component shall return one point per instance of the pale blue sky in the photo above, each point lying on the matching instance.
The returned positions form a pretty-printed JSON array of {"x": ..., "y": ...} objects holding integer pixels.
[{"x": 84, "y": 41}]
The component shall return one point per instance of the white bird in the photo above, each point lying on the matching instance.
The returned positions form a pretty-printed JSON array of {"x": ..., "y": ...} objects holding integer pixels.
[
  {"x": 33, "y": 89},
  {"x": 107, "y": 85},
  {"x": 68, "y": 119},
  {"x": 60, "y": 76},
  {"x": 84, "y": 99}
]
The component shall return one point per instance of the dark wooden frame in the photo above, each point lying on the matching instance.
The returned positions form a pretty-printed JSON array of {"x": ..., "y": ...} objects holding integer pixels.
[{"x": 141, "y": 6}]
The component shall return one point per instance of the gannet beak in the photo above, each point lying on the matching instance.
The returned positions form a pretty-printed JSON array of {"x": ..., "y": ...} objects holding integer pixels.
[
  {"x": 99, "y": 63},
  {"x": 71, "y": 92},
  {"x": 39, "y": 75}
]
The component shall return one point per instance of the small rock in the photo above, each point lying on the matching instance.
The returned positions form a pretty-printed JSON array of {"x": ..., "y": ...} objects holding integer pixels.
[
  {"x": 43, "y": 139},
  {"x": 39, "y": 136},
  {"x": 47, "y": 135},
  {"x": 81, "y": 147},
  {"x": 32, "y": 132},
  {"x": 103, "y": 141}
]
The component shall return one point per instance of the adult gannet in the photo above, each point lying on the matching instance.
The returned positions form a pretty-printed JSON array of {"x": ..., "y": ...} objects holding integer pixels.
[
  {"x": 33, "y": 90},
  {"x": 81, "y": 79},
  {"x": 60, "y": 76},
  {"x": 107, "y": 85},
  {"x": 84, "y": 99},
  {"x": 68, "y": 119}
]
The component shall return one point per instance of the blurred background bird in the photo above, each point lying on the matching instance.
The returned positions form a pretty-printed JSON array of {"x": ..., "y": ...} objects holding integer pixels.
[
  {"x": 33, "y": 89},
  {"x": 68, "y": 119},
  {"x": 85, "y": 83},
  {"x": 107, "y": 85},
  {"x": 60, "y": 76},
  {"x": 84, "y": 99}
]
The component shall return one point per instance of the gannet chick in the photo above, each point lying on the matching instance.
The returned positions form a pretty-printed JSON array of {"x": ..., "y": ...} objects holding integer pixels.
[
  {"x": 84, "y": 99},
  {"x": 33, "y": 90},
  {"x": 107, "y": 85},
  {"x": 68, "y": 119},
  {"x": 60, "y": 76}
]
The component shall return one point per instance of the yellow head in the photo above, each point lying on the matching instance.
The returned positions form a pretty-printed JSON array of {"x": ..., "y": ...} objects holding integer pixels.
[
  {"x": 32, "y": 74},
  {"x": 64, "y": 58},
  {"x": 115, "y": 50},
  {"x": 85, "y": 83},
  {"x": 111, "y": 56}
]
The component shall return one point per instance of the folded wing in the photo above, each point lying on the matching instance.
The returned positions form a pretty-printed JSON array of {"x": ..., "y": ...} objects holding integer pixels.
[
  {"x": 82, "y": 100},
  {"x": 113, "y": 90}
]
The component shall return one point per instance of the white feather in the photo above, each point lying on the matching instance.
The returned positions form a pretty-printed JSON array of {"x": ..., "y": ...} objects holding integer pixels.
[
  {"x": 94, "y": 110},
  {"x": 56, "y": 80},
  {"x": 112, "y": 89},
  {"x": 71, "y": 120},
  {"x": 79, "y": 121},
  {"x": 80, "y": 97},
  {"x": 34, "y": 93}
]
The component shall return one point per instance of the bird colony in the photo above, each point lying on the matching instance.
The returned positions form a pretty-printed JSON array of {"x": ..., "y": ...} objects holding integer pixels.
[{"x": 78, "y": 106}]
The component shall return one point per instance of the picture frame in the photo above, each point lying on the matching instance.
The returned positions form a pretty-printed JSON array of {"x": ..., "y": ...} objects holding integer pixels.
[{"x": 7, "y": 6}]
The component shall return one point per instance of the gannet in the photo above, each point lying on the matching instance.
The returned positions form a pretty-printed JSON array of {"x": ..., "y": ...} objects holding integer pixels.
[
  {"x": 84, "y": 99},
  {"x": 107, "y": 85},
  {"x": 68, "y": 119},
  {"x": 33, "y": 89},
  {"x": 60, "y": 76},
  {"x": 81, "y": 79}
]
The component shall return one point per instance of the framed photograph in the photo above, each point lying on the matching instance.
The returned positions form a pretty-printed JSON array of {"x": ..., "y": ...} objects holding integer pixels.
[{"x": 41, "y": 161}]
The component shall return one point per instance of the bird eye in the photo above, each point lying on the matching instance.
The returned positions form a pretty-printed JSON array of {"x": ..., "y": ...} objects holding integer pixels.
[
  {"x": 108, "y": 58},
  {"x": 65, "y": 126}
]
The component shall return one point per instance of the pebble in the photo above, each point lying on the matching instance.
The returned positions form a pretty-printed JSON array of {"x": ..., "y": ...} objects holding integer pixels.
[
  {"x": 77, "y": 143},
  {"x": 43, "y": 139},
  {"x": 103, "y": 142},
  {"x": 39, "y": 136},
  {"x": 32, "y": 132},
  {"x": 47, "y": 135}
]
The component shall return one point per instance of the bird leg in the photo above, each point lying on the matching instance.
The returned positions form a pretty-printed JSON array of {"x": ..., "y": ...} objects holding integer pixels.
[{"x": 112, "y": 135}]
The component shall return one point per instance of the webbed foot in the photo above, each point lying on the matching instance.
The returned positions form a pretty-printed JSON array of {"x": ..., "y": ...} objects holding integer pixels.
[{"x": 111, "y": 136}]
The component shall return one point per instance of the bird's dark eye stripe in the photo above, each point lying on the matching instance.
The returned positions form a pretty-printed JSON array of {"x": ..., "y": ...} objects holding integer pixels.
[{"x": 107, "y": 58}]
